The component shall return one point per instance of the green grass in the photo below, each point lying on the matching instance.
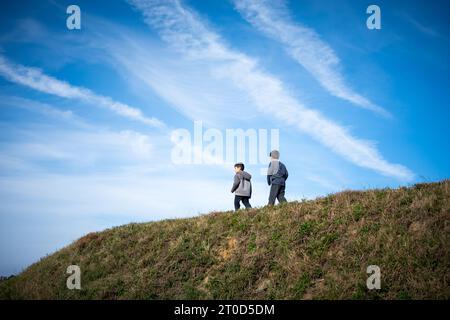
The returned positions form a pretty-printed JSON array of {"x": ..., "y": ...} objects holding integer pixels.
[{"x": 317, "y": 249}]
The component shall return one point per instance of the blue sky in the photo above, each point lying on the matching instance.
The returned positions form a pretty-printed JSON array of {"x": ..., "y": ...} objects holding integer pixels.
[{"x": 86, "y": 116}]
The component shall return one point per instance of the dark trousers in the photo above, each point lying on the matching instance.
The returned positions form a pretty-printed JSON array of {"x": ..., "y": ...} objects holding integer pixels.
[
  {"x": 245, "y": 201},
  {"x": 277, "y": 192}
]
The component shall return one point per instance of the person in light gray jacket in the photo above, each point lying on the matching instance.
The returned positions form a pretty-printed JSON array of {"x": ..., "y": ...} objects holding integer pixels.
[
  {"x": 277, "y": 175},
  {"x": 242, "y": 187}
]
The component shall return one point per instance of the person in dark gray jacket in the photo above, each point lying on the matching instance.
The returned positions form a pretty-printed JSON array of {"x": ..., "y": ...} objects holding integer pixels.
[
  {"x": 242, "y": 187},
  {"x": 277, "y": 175}
]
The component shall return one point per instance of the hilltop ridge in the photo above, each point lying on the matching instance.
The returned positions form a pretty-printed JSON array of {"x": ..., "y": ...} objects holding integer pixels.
[{"x": 315, "y": 249}]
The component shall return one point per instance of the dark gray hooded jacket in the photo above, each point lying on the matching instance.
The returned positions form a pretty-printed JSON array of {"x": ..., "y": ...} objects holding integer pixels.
[
  {"x": 277, "y": 173},
  {"x": 242, "y": 185}
]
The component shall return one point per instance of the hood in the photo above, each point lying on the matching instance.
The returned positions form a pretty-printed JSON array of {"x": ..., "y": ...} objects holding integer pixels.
[{"x": 245, "y": 175}]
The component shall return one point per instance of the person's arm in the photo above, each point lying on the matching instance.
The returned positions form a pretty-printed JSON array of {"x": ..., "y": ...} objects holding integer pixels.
[
  {"x": 287, "y": 173},
  {"x": 269, "y": 174},
  {"x": 235, "y": 184}
]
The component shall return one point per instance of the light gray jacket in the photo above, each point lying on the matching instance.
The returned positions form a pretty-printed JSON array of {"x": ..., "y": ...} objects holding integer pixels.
[{"x": 242, "y": 185}]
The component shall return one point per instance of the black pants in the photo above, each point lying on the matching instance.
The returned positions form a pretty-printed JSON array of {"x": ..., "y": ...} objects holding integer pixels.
[
  {"x": 277, "y": 192},
  {"x": 245, "y": 201}
]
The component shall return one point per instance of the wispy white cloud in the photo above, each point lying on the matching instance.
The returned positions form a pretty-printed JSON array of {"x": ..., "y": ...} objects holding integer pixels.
[
  {"x": 104, "y": 145},
  {"x": 305, "y": 46},
  {"x": 183, "y": 29},
  {"x": 42, "y": 108},
  {"x": 70, "y": 143},
  {"x": 36, "y": 79},
  {"x": 186, "y": 84},
  {"x": 425, "y": 29},
  {"x": 75, "y": 150}
]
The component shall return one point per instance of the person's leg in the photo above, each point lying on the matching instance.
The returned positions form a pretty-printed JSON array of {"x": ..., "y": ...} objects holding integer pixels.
[
  {"x": 237, "y": 201},
  {"x": 280, "y": 195},
  {"x": 273, "y": 194},
  {"x": 246, "y": 202}
]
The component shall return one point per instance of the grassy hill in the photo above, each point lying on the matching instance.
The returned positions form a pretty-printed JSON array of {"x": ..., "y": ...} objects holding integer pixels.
[{"x": 316, "y": 249}]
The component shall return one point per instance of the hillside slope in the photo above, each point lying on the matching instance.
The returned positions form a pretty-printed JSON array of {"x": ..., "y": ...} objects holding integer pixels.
[{"x": 317, "y": 249}]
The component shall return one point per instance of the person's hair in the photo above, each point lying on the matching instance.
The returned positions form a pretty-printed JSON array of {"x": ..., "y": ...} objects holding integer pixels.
[
  {"x": 239, "y": 165},
  {"x": 274, "y": 154}
]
